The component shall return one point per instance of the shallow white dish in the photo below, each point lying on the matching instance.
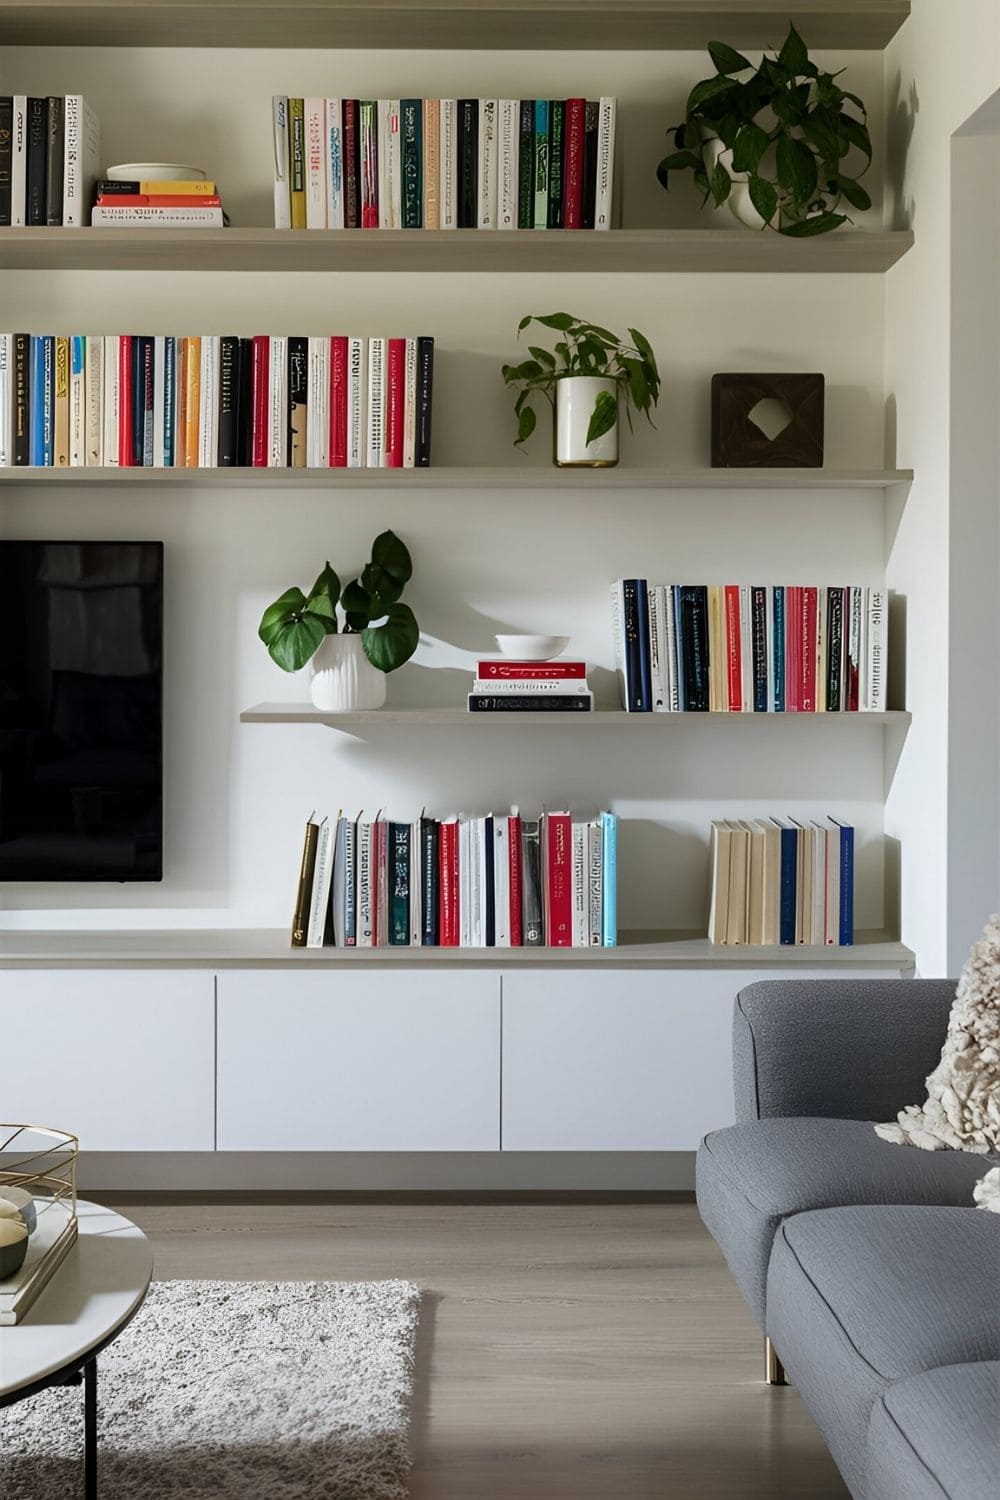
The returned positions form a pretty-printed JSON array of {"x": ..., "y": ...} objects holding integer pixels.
[
  {"x": 154, "y": 171},
  {"x": 532, "y": 647}
]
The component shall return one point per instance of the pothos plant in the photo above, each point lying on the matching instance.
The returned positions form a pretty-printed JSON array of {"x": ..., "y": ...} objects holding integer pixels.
[
  {"x": 789, "y": 128},
  {"x": 294, "y": 626},
  {"x": 584, "y": 349}
]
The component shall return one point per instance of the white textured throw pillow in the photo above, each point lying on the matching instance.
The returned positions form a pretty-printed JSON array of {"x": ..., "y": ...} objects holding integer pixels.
[{"x": 962, "y": 1109}]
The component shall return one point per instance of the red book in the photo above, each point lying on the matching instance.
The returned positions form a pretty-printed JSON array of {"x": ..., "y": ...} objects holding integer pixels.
[
  {"x": 559, "y": 880},
  {"x": 793, "y": 672},
  {"x": 448, "y": 884},
  {"x": 258, "y": 397},
  {"x": 395, "y": 403},
  {"x": 514, "y": 866},
  {"x": 530, "y": 671},
  {"x": 352, "y": 206},
  {"x": 807, "y": 702},
  {"x": 734, "y": 652},
  {"x": 126, "y": 455},
  {"x": 159, "y": 200},
  {"x": 338, "y": 402},
  {"x": 574, "y": 164}
]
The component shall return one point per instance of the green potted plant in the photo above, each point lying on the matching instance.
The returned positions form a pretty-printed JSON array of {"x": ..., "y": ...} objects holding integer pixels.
[
  {"x": 353, "y": 636},
  {"x": 773, "y": 142},
  {"x": 586, "y": 376}
]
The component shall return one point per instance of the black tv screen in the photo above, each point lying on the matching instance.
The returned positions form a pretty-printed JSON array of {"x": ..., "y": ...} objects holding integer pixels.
[{"x": 81, "y": 722}]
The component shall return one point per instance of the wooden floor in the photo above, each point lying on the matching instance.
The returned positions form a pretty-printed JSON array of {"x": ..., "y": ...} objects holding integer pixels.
[{"x": 568, "y": 1351}]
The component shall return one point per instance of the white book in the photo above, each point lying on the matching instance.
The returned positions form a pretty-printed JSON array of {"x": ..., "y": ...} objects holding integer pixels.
[
  {"x": 366, "y": 884},
  {"x": 410, "y": 404},
  {"x": 94, "y": 401},
  {"x": 500, "y": 686},
  {"x": 279, "y": 135},
  {"x": 489, "y": 153},
  {"x": 357, "y": 389},
  {"x": 656, "y": 607},
  {"x": 322, "y": 881},
  {"x": 875, "y": 696},
  {"x": 77, "y": 400},
  {"x": 477, "y": 882},
  {"x": 159, "y": 399},
  {"x": 6, "y": 400},
  {"x": 746, "y": 649},
  {"x": 501, "y": 882},
  {"x": 390, "y": 172},
  {"x": 448, "y": 183},
  {"x": 318, "y": 408},
  {"x": 672, "y": 665},
  {"x": 333, "y": 163},
  {"x": 314, "y": 127},
  {"x": 769, "y": 647},
  {"x": 19, "y": 160},
  {"x": 208, "y": 402},
  {"x": 508, "y": 137},
  {"x": 416, "y": 888},
  {"x": 605, "y": 163},
  {"x": 109, "y": 442},
  {"x": 376, "y": 403},
  {"x": 277, "y": 443},
  {"x": 464, "y": 882},
  {"x": 580, "y": 851},
  {"x": 156, "y": 218},
  {"x": 81, "y": 160},
  {"x": 595, "y": 851}
]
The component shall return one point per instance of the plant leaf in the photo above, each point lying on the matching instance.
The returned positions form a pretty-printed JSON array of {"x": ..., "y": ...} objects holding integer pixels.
[
  {"x": 603, "y": 417},
  {"x": 751, "y": 143},
  {"x": 391, "y": 643},
  {"x": 721, "y": 183},
  {"x": 357, "y": 603},
  {"x": 764, "y": 197},
  {"x": 680, "y": 161},
  {"x": 296, "y": 642},
  {"x": 709, "y": 88},
  {"x": 854, "y": 193},
  {"x": 856, "y": 134},
  {"x": 525, "y": 424},
  {"x": 561, "y": 321},
  {"x": 820, "y": 224},
  {"x": 643, "y": 345},
  {"x": 727, "y": 59},
  {"x": 389, "y": 553},
  {"x": 544, "y": 356},
  {"x": 280, "y": 613},
  {"x": 796, "y": 169},
  {"x": 324, "y": 595},
  {"x": 793, "y": 55}
]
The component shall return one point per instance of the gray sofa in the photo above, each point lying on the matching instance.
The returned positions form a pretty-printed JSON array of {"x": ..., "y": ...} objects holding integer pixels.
[{"x": 875, "y": 1281}]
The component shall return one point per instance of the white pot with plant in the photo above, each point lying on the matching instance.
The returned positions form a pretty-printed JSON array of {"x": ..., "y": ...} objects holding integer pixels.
[
  {"x": 352, "y": 636},
  {"x": 588, "y": 375}
]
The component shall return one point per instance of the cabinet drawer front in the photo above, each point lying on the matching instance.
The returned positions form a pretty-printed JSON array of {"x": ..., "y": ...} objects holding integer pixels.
[
  {"x": 122, "y": 1058},
  {"x": 359, "y": 1062}
]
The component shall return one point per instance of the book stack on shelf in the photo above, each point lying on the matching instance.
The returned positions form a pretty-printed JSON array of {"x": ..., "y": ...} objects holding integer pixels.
[
  {"x": 50, "y": 154},
  {"x": 503, "y": 685},
  {"x": 498, "y": 881},
  {"x": 749, "y": 648},
  {"x": 125, "y": 202},
  {"x": 150, "y": 401},
  {"x": 779, "y": 881},
  {"x": 443, "y": 163}
]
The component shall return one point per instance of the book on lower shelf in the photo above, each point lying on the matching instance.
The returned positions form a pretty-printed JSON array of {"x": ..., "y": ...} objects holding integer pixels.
[
  {"x": 782, "y": 882},
  {"x": 497, "y": 880},
  {"x": 503, "y": 685}
]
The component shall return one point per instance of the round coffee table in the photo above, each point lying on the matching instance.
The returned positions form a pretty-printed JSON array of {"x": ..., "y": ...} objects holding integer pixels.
[{"x": 92, "y": 1296}]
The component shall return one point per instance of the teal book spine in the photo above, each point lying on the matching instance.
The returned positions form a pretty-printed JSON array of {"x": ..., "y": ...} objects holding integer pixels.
[
  {"x": 541, "y": 172},
  {"x": 609, "y": 887},
  {"x": 399, "y": 885},
  {"x": 525, "y": 165},
  {"x": 411, "y": 131}
]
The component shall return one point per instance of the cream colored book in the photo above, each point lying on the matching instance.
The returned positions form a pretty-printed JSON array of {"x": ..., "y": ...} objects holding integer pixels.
[
  {"x": 718, "y": 914},
  {"x": 717, "y": 701},
  {"x": 739, "y": 863},
  {"x": 755, "y": 884},
  {"x": 771, "y": 881},
  {"x": 432, "y": 163}
]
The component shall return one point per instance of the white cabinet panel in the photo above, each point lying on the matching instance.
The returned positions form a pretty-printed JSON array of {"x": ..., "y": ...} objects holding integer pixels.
[
  {"x": 359, "y": 1062},
  {"x": 123, "y": 1058}
]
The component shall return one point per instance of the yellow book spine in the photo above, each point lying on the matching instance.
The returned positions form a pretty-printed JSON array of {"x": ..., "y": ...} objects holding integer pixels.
[
  {"x": 177, "y": 185},
  {"x": 192, "y": 382},
  {"x": 297, "y": 171},
  {"x": 432, "y": 163},
  {"x": 61, "y": 425}
]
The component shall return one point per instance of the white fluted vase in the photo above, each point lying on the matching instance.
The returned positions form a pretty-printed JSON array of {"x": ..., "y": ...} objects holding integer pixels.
[
  {"x": 575, "y": 398},
  {"x": 343, "y": 679}
]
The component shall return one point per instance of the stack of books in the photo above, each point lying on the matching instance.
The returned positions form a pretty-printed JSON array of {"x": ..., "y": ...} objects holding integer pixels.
[
  {"x": 502, "y": 685},
  {"x": 778, "y": 881},
  {"x": 749, "y": 648},
  {"x": 498, "y": 881},
  {"x": 152, "y": 204},
  {"x": 150, "y": 401},
  {"x": 50, "y": 155},
  {"x": 443, "y": 163}
]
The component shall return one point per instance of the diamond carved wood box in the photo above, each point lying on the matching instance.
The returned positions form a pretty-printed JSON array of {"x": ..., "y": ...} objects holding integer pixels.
[{"x": 767, "y": 421}]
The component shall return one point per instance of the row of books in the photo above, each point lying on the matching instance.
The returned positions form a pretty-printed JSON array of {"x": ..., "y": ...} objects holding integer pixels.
[
  {"x": 151, "y": 401},
  {"x": 504, "y": 685},
  {"x": 137, "y": 203},
  {"x": 778, "y": 881},
  {"x": 443, "y": 163},
  {"x": 749, "y": 648},
  {"x": 497, "y": 881},
  {"x": 50, "y": 152}
]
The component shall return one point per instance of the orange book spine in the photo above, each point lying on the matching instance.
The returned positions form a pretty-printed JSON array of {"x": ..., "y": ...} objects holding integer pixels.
[
  {"x": 192, "y": 382},
  {"x": 432, "y": 163}
]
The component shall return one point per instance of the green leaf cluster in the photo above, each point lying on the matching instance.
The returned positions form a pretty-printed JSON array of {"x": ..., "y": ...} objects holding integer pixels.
[
  {"x": 789, "y": 126},
  {"x": 296, "y": 623},
  {"x": 584, "y": 349}
]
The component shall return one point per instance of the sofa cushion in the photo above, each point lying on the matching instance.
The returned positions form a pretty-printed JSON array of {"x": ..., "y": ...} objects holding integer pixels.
[
  {"x": 751, "y": 1176},
  {"x": 858, "y": 1298},
  {"x": 936, "y": 1436}
]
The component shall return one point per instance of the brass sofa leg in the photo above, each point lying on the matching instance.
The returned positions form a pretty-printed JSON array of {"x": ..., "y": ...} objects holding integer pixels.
[{"x": 774, "y": 1370}]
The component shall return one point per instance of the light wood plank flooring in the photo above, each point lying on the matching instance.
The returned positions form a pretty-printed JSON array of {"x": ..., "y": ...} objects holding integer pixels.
[{"x": 568, "y": 1350}]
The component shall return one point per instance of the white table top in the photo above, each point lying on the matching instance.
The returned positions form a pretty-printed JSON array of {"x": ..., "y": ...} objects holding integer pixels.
[{"x": 99, "y": 1285}]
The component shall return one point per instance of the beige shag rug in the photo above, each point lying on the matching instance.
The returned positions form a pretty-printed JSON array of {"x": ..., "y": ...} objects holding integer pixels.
[
  {"x": 962, "y": 1108},
  {"x": 235, "y": 1389}
]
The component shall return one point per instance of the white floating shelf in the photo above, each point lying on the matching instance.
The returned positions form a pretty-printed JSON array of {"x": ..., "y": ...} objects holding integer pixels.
[{"x": 452, "y": 718}]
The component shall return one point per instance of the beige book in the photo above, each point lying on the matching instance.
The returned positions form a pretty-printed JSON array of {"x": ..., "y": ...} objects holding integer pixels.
[
  {"x": 832, "y": 934},
  {"x": 818, "y": 933},
  {"x": 718, "y": 913},
  {"x": 60, "y": 455},
  {"x": 771, "y": 881},
  {"x": 717, "y": 699},
  {"x": 432, "y": 163},
  {"x": 739, "y": 870},
  {"x": 755, "y": 884},
  {"x": 803, "y": 882}
]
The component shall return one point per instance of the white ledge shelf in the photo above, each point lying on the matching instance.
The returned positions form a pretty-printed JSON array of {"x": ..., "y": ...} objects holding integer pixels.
[
  {"x": 551, "y": 25},
  {"x": 240, "y": 948},
  {"x": 629, "y": 251},
  {"x": 363, "y": 721}
]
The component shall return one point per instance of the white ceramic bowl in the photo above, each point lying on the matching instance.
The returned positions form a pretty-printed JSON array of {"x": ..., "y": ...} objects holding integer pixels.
[
  {"x": 532, "y": 647},
  {"x": 154, "y": 171}
]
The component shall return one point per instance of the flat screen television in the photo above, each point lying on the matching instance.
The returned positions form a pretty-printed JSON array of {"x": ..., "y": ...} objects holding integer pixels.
[{"x": 81, "y": 722}]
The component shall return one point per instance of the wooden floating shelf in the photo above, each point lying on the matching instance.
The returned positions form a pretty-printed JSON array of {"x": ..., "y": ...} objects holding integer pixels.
[
  {"x": 271, "y": 949},
  {"x": 451, "y": 718},
  {"x": 633, "y": 251},
  {"x": 553, "y": 25},
  {"x": 514, "y": 476}
]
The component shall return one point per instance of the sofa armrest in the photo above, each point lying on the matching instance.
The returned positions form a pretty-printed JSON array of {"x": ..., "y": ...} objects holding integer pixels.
[{"x": 847, "y": 1049}]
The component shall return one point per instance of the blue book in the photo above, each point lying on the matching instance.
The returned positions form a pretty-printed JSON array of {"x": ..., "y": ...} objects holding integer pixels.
[
  {"x": 77, "y": 354},
  {"x": 846, "y": 867},
  {"x": 169, "y": 399},
  {"x": 786, "y": 890},
  {"x": 644, "y": 680},
  {"x": 41, "y": 402},
  {"x": 489, "y": 892},
  {"x": 778, "y": 650},
  {"x": 609, "y": 881}
]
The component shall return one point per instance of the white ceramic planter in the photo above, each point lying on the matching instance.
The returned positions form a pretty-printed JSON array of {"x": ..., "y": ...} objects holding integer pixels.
[
  {"x": 738, "y": 203},
  {"x": 343, "y": 679},
  {"x": 575, "y": 397}
]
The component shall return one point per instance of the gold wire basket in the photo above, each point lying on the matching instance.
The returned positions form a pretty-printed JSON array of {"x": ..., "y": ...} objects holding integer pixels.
[{"x": 38, "y": 1175}]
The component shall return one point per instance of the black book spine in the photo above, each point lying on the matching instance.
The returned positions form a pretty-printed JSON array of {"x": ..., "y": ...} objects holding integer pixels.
[
  {"x": 835, "y": 648},
  {"x": 526, "y": 165},
  {"x": 399, "y": 884},
  {"x": 486, "y": 703},
  {"x": 108, "y": 189},
  {"x": 55, "y": 148},
  {"x": 694, "y": 623},
  {"x": 532, "y": 921},
  {"x": 468, "y": 162},
  {"x": 758, "y": 642},
  {"x": 229, "y": 396},
  {"x": 430, "y": 878},
  {"x": 22, "y": 404},
  {"x": 38, "y": 118},
  {"x": 6, "y": 156},
  {"x": 557, "y": 161},
  {"x": 633, "y": 628},
  {"x": 425, "y": 402},
  {"x": 490, "y": 893},
  {"x": 244, "y": 412},
  {"x": 298, "y": 396},
  {"x": 591, "y": 120},
  {"x": 352, "y": 165}
]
